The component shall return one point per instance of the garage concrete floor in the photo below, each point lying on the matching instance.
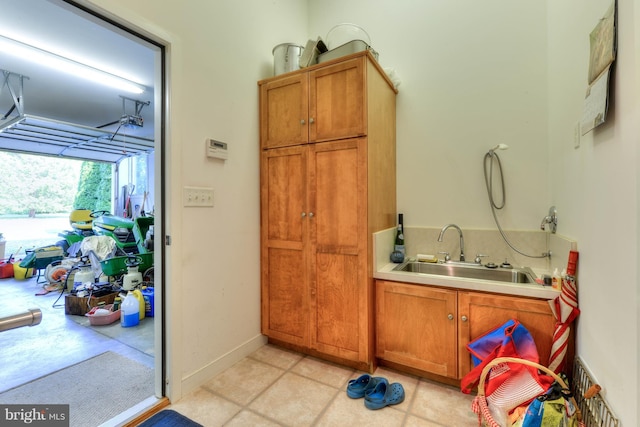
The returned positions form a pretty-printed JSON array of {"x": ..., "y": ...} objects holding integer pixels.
[{"x": 60, "y": 340}]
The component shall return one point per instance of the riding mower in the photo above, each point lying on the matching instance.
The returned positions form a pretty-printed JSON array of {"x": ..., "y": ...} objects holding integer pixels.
[
  {"x": 133, "y": 237},
  {"x": 81, "y": 222},
  {"x": 119, "y": 228}
]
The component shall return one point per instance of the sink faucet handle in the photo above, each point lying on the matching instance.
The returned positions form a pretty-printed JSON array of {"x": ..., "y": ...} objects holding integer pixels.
[
  {"x": 478, "y": 259},
  {"x": 446, "y": 256}
]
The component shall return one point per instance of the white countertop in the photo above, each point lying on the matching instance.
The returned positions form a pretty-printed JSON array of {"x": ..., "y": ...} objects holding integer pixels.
[{"x": 527, "y": 290}]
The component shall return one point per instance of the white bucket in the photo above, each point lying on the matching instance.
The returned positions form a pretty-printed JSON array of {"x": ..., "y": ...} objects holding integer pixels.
[{"x": 286, "y": 57}]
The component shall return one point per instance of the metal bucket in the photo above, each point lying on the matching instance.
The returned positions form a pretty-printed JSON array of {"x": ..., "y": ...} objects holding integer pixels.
[{"x": 286, "y": 57}]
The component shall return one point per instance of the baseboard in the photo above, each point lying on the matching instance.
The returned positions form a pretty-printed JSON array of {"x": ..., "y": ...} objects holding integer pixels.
[{"x": 195, "y": 379}]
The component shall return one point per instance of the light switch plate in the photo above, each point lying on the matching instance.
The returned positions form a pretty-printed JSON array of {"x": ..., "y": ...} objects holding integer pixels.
[{"x": 197, "y": 197}]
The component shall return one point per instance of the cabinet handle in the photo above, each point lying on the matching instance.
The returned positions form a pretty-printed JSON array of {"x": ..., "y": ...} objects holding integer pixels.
[
  {"x": 302, "y": 122},
  {"x": 310, "y": 214},
  {"x": 304, "y": 214},
  {"x": 450, "y": 316},
  {"x": 311, "y": 120},
  {"x": 464, "y": 318}
]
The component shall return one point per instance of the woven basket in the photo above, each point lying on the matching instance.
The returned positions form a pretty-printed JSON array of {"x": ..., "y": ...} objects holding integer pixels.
[{"x": 480, "y": 405}]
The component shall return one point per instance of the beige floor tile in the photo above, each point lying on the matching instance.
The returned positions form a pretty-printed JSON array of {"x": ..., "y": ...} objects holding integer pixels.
[
  {"x": 206, "y": 408},
  {"x": 409, "y": 383},
  {"x": 294, "y": 400},
  {"x": 442, "y": 404},
  {"x": 277, "y": 387},
  {"x": 413, "y": 421},
  {"x": 276, "y": 356},
  {"x": 242, "y": 382},
  {"x": 248, "y": 418},
  {"x": 324, "y": 372},
  {"x": 344, "y": 411}
]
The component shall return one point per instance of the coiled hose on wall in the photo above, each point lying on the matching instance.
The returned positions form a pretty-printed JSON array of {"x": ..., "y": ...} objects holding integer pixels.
[{"x": 489, "y": 159}]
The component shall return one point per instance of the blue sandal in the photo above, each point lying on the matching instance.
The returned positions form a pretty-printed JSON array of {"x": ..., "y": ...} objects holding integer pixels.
[
  {"x": 384, "y": 394},
  {"x": 362, "y": 385}
]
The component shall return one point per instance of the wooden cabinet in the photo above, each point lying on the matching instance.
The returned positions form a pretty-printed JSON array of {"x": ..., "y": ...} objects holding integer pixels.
[
  {"x": 416, "y": 327},
  {"x": 285, "y": 245},
  {"x": 486, "y": 311},
  {"x": 319, "y": 105},
  {"x": 324, "y": 191},
  {"x": 427, "y": 328},
  {"x": 284, "y": 112}
]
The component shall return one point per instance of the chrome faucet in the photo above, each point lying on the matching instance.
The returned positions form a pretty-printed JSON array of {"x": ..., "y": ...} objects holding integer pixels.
[
  {"x": 551, "y": 219},
  {"x": 461, "y": 238}
]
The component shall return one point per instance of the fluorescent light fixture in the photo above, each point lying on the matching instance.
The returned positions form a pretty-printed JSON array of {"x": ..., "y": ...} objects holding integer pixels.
[{"x": 49, "y": 59}]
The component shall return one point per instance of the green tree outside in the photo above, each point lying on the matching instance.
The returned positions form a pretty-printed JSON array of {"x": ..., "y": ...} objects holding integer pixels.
[
  {"x": 94, "y": 187},
  {"x": 41, "y": 184}
]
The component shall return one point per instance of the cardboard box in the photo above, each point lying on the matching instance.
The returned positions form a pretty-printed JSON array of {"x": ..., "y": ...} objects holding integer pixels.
[{"x": 82, "y": 305}]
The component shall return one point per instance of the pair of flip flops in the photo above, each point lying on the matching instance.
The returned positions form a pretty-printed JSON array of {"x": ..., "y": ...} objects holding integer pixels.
[{"x": 377, "y": 391}]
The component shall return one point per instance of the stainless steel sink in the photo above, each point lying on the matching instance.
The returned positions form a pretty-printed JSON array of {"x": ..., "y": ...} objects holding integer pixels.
[{"x": 470, "y": 271}]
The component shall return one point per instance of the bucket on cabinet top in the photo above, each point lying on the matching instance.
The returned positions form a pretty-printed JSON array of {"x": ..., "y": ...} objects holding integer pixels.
[{"x": 286, "y": 57}]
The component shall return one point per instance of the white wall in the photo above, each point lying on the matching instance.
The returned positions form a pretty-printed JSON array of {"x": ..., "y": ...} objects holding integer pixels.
[
  {"x": 596, "y": 190},
  {"x": 473, "y": 75}
]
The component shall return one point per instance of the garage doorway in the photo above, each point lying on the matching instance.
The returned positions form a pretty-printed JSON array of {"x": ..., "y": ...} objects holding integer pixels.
[{"x": 88, "y": 109}]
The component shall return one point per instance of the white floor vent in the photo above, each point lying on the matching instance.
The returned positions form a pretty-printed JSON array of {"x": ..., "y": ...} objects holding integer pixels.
[{"x": 595, "y": 411}]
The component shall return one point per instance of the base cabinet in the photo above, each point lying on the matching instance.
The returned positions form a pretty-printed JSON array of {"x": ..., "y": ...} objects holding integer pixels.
[
  {"x": 427, "y": 328},
  {"x": 416, "y": 327},
  {"x": 484, "y": 312}
]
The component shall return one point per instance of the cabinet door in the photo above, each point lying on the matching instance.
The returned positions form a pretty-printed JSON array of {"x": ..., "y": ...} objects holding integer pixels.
[
  {"x": 484, "y": 312},
  {"x": 337, "y": 103},
  {"x": 284, "y": 111},
  {"x": 416, "y": 327},
  {"x": 284, "y": 243},
  {"x": 339, "y": 283}
]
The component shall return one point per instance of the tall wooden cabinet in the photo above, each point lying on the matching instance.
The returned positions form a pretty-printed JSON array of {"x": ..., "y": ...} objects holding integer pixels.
[{"x": 327, "y": 136}]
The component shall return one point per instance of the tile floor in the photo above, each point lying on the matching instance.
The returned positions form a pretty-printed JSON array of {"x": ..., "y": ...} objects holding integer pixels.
[{"x": 277, "y": 387}]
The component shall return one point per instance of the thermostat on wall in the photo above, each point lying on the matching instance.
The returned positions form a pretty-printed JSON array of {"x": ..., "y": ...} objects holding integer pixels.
[{"x": 217, "y": 149}]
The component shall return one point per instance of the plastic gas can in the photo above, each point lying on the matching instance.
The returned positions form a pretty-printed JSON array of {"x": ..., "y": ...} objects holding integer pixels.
[{"x": 6, "y": 269}]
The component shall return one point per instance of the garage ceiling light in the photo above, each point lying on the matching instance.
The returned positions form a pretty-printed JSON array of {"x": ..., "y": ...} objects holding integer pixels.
[{"x": 44, "y": 57}]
